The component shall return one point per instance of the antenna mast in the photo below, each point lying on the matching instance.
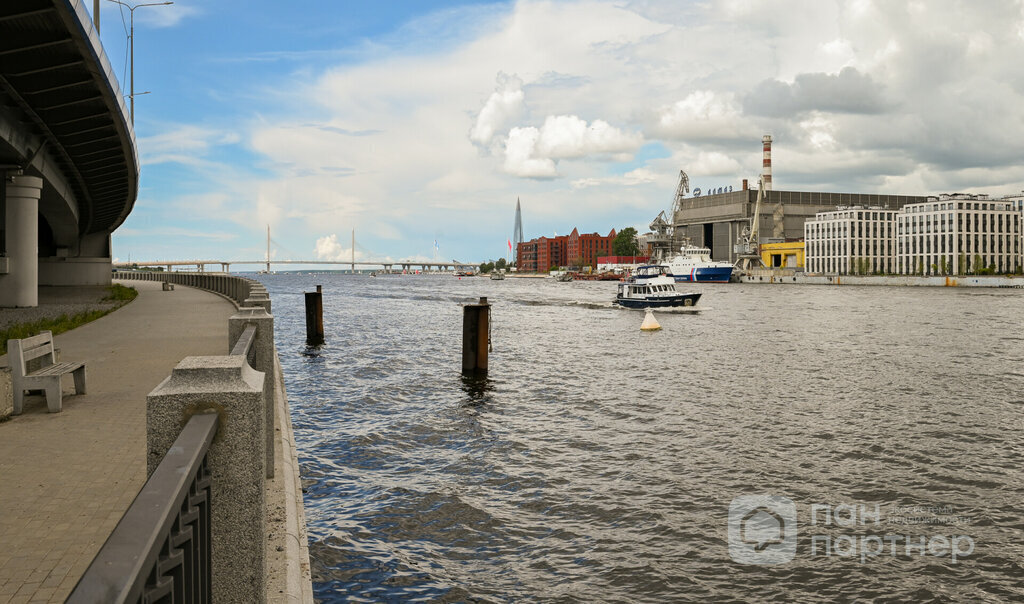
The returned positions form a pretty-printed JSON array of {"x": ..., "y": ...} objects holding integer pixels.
[{"x": 268, "y": 249}]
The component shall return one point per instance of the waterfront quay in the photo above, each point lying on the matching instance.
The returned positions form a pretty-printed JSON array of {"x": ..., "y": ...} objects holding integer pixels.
[
  {"x": 69, "y": 477},
  {"x": 789, "y": 277}
]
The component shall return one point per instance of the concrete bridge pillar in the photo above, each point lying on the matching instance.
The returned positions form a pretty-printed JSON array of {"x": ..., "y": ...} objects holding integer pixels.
[{"x": 19, "y": 284}]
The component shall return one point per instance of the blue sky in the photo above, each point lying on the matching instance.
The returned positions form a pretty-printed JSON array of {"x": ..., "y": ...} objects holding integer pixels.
[{"x": 412, "y": 122}]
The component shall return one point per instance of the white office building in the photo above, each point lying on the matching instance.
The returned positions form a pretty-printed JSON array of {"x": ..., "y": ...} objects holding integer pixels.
[
  {"x": 1017, "y": 201},
  {"x": 851, "y": 241},
  {"x": 958, "y": 234}
]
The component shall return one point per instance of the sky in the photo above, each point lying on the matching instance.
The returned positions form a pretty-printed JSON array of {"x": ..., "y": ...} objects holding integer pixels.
[{"x": 419, "y": 124}]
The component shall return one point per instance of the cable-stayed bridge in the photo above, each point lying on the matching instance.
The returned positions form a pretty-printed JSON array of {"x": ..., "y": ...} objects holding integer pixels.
[
  {"x": 225, "y": 265},
  {"x": 406, "y": 265}
]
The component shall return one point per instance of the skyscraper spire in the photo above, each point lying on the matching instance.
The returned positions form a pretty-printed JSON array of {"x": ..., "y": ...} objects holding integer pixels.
[{"x": 517, "y": 233}]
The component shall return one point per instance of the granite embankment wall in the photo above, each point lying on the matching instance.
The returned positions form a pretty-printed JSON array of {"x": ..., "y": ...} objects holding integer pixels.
[{"x": 287, "y": 568}]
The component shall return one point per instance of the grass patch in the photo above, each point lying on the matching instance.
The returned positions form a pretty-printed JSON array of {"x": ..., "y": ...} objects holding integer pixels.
[{"x": 118, "y": 293}]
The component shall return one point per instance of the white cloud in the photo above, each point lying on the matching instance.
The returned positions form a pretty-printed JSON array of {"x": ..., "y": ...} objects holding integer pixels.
[
  {"x": 703, "y": 114},
  {"x": 715, "y": 163},
  {"x": 328, "y": 248},
  {"x": 183, "y": 143},
  {"x": 531, "y": 152},
  {"x": 520, "y": 155},
  {"x": 164, "y": 16},
  {"x": 819, "y": 132},
  {"x": 568, "y": 136},
  {"x": 859, "y": 96},
  {"x": 501, "y": 109},
  {"x": 171, "y": 231},
  {"x": 629, "y": 179}
]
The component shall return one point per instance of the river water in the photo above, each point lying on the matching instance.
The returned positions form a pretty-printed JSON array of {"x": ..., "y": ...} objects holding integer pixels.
[{"x": 601, "y": 463}]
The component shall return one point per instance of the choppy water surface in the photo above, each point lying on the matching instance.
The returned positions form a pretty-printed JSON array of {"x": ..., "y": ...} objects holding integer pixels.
[{"x": 598, "y": 463}]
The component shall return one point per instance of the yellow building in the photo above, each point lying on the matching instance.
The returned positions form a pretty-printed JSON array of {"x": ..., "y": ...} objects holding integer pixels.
[{"x": 789, "y": 254}]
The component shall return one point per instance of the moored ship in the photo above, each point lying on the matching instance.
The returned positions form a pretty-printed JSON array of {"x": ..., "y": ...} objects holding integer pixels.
[{"x": 694, "y": 264}]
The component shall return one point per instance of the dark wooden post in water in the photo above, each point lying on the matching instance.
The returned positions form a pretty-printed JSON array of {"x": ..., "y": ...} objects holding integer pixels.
[
  {"x": 476, "y": 335},
  {"x": 315, "y": 317}
]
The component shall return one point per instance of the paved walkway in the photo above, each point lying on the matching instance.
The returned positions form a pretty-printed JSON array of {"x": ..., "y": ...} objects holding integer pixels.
[{"x": 66, "y": 478}]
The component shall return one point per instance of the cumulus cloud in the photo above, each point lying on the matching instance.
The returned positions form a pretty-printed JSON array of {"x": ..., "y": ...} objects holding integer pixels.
[
  {"x": 328, "y": 248},
  {"x": 520, "y": 155},
  {"x": 531, "y": 152},
  {"x": 501, "y": 109},
  {"x": 702, "y": 115},
  {"x": 859, "y": 95},
  {"x": 567, "y": 136}
]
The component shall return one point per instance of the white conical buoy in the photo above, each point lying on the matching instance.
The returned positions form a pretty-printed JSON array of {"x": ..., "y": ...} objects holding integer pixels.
[{"x": 650, "y": 323}]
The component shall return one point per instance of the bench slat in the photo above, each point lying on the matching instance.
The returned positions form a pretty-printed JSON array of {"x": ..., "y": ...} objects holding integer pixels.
[
  {"x": 45, "y": 337},
  {"x": 39, "y": 351},
  {"x": 56, "y": 369}
]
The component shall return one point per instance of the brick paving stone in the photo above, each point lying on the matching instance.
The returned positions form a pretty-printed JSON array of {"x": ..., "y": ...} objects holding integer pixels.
[{"x": 69, "y": 476}]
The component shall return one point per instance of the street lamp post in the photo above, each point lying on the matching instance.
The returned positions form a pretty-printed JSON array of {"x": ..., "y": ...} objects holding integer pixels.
[{"x": 131, "y": 51}]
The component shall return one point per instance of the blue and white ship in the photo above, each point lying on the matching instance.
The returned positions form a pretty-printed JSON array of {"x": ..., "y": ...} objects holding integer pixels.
[
  {"x": 651, "y": 287},
  {"x": 694, "y": 264}
]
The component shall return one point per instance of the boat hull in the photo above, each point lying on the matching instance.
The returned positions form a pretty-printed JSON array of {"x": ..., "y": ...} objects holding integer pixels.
[
  {"x": 677, "y": 301},
  {"x": 705, "y": 274}
]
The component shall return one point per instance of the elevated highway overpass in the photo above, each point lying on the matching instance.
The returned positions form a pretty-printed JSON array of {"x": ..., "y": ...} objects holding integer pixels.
[{"x": 68, "y": 158}]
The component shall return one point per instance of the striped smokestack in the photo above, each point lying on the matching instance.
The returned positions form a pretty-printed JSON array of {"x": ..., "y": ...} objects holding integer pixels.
[{"x": 766, "y": 168}]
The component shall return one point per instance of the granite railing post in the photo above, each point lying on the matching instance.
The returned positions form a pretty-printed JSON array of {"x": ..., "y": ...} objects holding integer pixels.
[
  {"x": 258, "y": 299},
  {"x": 262, "y": 361},
  {"x": 228, "y": 386}
]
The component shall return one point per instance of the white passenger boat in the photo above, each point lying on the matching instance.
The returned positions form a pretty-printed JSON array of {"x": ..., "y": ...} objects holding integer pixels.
[{"x": 650, "y": 286}]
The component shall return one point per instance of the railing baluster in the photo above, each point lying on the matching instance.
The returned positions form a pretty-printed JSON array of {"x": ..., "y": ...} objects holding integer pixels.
[{"x": 161, "y": 546}]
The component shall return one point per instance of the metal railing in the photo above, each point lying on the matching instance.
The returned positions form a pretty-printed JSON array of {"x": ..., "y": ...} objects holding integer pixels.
[
  {"x": 160, "y": 550},
  {"x": 236, "y": 289}
]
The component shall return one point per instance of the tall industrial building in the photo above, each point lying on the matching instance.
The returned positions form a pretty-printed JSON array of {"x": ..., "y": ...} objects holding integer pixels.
[
  {"x": 517, "y": 233},
  {"x": 717, "y": 221}
]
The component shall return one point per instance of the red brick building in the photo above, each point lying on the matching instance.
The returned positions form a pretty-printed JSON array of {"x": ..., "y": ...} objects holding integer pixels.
[
  {"x": 574, "y": 249},
  {"x": 583, "y": 250}
]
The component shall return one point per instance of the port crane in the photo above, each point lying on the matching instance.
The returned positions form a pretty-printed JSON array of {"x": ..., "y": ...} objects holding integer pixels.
[
  {"x": 682, "y": 189},
  {"x": 748, "y": 249},
  {"x": 661, "y": 227}
]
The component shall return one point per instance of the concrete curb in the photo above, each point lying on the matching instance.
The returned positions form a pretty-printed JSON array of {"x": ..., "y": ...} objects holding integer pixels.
[
  {"x": 999, "y": 281},
  {"x": 298, "y": 579}
]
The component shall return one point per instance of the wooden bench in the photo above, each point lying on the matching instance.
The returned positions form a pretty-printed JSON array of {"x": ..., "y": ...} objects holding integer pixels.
[{"x": 48, "y": 374}]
